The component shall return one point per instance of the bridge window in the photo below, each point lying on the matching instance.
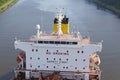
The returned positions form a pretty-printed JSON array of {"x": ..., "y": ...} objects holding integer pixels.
[
  {"x": 51, "y": 42},
  {"x": 57, "y": 42},
  {"x": 63, "y": 42},
  {"x": 74, "y": 42},
  {"x": 40, "y": 41},
  {"x": 46, "y": 42}
]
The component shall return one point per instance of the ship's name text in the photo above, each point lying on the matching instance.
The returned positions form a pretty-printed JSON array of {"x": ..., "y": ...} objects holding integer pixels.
[{"x": 57, "y": 53}]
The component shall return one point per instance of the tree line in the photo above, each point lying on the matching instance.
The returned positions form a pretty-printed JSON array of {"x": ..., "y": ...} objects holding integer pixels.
[
  {"x": 112, "y": 5},
  {"x": 115, "y": 3},
  {"x": 3, "y": 1}
]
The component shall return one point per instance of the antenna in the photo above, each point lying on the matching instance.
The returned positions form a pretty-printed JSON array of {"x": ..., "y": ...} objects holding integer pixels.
[{"x": 38, "y": 30}]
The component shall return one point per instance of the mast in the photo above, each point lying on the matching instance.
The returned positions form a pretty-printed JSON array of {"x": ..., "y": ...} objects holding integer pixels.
[{"x": 60, "y": 18}]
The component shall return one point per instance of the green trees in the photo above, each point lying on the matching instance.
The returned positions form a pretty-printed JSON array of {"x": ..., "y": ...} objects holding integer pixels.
[
  {"x": 113, "y": 5},
  {"x": 5, "y": 4},
  {"x": 2, "y": 2}
]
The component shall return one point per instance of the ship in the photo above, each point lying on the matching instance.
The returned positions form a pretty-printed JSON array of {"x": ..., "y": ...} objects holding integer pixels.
[{"x": 59, "y": 55}]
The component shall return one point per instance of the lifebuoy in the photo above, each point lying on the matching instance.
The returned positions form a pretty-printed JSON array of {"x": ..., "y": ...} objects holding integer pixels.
[{"x": 20, "y": 57}]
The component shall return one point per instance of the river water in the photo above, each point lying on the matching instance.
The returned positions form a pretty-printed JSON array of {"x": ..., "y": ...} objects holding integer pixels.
[{"x": 20, "y": 20}]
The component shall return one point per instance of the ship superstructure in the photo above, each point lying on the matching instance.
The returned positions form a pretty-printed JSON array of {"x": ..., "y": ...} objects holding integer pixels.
[{"x": 68, "y": 54}]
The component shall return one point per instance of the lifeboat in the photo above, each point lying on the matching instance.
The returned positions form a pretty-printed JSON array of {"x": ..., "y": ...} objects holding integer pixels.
[
  {"x": 95, "y": 59},
  {"x": 20, "y": 57}
]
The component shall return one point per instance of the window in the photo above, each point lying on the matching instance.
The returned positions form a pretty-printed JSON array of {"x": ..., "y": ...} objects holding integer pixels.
[
  {"x": 81, "y": 51},
  {"x": 75, "y": 59},
  {"x": 30, "y": 65},
  {"x": 56, "y": 50},
  {"x": 63, "y": 67},
  {"x": 83, "y": 67},
  {"x": 59, "y": 58},
  {"x": 68, "y": 43},
  {"x": 54, "y": 66},
  {"x": 54, "y": 58},
  {"x": 84, "y": 60},
  {"x": 67, "y": 59},
  {"x": 38, "y": 66},
  {"x": 46, "y": 42},
  {"x": 63, "y": 42},
  {"x": 47, "y": 50},
  {"x": 47, "y": 58},
  {"x": 40, "y": 42},
  {"x": 36, "y": 50},
  {"x": 67, "y": 51},
  {"x": 57, "y": 42},
  {"x": 47, "y": 66},
  {"x": 78, "y": 51},
  {"x": 51, "y": 42},
  {"x": 74, "y": 42},
  {"x": 75, "y": 67},
  {"x": 30, "y": 57},
  {"x": 38, "y": 58},
  {"x": 66, "y": 67},
  {"x": 32, "y": 50}
]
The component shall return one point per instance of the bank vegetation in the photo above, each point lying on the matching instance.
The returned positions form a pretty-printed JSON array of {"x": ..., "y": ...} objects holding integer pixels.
[
  {"x": 112, "y": 5},
  {"x": 5, "y": 4}
]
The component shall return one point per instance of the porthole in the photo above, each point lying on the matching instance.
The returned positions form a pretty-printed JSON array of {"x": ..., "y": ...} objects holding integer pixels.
[
  {"x": 67, "y": 51},
  {"x": 30, "y": 57},
  {"x": 30, "y": 65},
  {"x": 75, "y": 67},
  {"x": 59, "y": 58},
  {"x": 38, "y": 66},
  {"x": 67, "y": 59},
  {"x": 82, "y": 51},
  {"x": 66, "y": 67},
  {"x": 38, "y": 58},
  {"x": 83, "y": 67},
  {"x": 75, "y": 59},
  {"x": 36, "y": 50},
  {"x": 32, "y": 50},
  {"x": 84, "y": 60}
]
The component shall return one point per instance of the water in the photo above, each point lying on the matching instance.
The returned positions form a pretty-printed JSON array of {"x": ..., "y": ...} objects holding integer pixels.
[{"x": 20, "y": 20}]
